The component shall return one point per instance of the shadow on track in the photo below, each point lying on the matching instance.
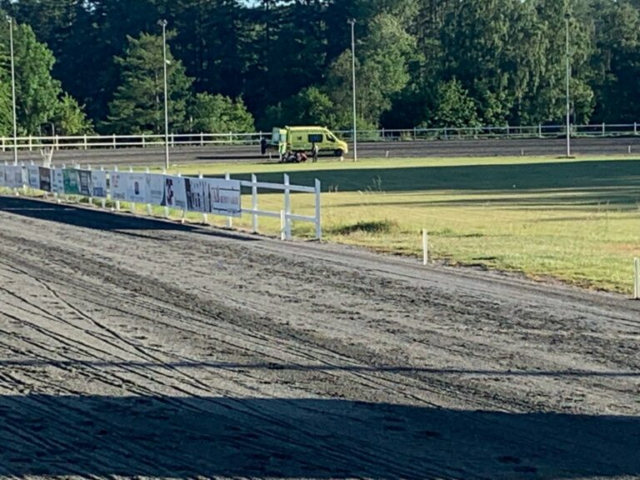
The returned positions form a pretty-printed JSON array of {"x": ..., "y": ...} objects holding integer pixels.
[
  {"x": 99, "y": 219},
  {"x": 182, "y": 437}
]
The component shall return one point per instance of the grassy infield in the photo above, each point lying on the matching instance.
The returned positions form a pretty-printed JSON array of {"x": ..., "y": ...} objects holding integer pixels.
[{"x": 573, "y": 220}]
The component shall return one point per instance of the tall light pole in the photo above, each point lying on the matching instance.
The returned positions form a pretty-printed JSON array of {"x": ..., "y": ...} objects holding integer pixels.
[
  {"x": 353, "y": 77},
  {"x": 13, "y": 94},
  {"x": 163, "y": 24},
  {"x": 568, "y": 19}
]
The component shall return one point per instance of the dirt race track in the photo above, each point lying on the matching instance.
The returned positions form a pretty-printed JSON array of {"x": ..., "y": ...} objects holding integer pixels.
[
  {"x": 139, "y": 348},
  {"x": 184, "y": 155}
]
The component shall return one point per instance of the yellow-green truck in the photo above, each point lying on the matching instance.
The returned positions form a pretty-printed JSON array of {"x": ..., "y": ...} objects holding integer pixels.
[{"x": 301, "y": 139}]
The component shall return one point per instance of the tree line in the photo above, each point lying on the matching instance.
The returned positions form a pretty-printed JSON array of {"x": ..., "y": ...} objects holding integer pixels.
[{"x": 240, "y": 65}]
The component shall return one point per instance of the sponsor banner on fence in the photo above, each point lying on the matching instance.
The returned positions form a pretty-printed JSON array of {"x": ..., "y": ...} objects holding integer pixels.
[
  {"x": 136, "y": 188},
  {"x": 84, "y": 183},
  {"x": 33, "y": 176},
  {"x": 175, "y": 195},
  {"x": 155, "y": 189},
  {"x": 225, "y": 197},
  {"x": 215, "y": 196},
  {"x": 57, "y": 181},
  {"x": 70, "y": 181},
  {"x": 119, "y": 185},
  {"x": 198, "y": 195},
  {"x": 45, "y": 178},
  {"x": 99, "y": 183},
  {"x": 14, "y": 176}
]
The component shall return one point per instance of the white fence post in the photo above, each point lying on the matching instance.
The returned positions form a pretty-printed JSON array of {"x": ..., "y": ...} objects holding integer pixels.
[
  {"x": 283, "y": 225},
  {"x": 254, "y": 202},
  {"x": 85, "y": 141},
  {"x": 229, "y": 219},
  {"x": 166, "y": 209},
  {"x": 104, "y": 200},
  {"x": 318, "y": 211},
  {"x": 636, "y": 278},
  {"x": 184, "y": 210},
  {"x": 425, "y": 247},
  {"x": 149, "y": 211},
  {"x": 635, "y": 128},
  {"x": 287, "y": 206},
  {"x": 205, "y": 217},
  {"x": 115, "y": 169}
]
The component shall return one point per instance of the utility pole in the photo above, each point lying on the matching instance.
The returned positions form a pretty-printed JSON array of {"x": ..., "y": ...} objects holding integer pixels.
[
  {"x": 13, "y": 94},
  {"x": 163, "y": 24},
  {"x": 353, "y": 76},
  {"x": 568, "y": 52}
]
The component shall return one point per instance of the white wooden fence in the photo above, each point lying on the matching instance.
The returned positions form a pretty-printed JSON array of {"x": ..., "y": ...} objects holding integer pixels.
[
  {"x": 286, "y": 215},
  {"x": 86, "y": 142}
]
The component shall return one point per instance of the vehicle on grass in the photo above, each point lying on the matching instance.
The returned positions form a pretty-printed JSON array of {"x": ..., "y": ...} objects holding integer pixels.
[{"x": 302, "y": 139}]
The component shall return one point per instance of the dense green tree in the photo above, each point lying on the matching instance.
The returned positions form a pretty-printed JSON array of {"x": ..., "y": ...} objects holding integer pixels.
[
  {"x": 616, "y": 62},
  {"x": 289, "y": 60},
  {"x": 455, "y": 108},
  {"x": 220, "y": 114},
  {"x": 69, "y": 118},
  {"x": 6, "y": 123},
  {"x": 138, "y": 103},
  {"x": 39, "y": 96}
]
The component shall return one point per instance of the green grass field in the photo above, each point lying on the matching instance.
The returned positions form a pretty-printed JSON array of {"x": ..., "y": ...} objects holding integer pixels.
[{"x": 574, "y": 220}]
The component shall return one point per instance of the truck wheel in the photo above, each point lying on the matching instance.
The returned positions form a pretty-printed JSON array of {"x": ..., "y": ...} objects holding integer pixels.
[{"x": 338, "y": 153}]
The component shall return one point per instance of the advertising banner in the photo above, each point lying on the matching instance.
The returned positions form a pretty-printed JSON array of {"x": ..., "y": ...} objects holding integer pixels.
[
  {"x": 175, "y": 195},
  {"x": 99, "y": 183},
  {"x": 3, "y": 182},
  {"x": 136, "y": 188},
  {"x": 57, "y": 181},
  {"x": 14, "y": 176},
  {"x": 119, "y": 185},
  {"x": 155, "y": 189},
  {"x": 84, "y": 183},
  {"x": 45, "y": 178},
  {"x": 225, "y": 197},
  {"x": 216, "y": 196},
  {"x": 71, "y": 182},
  {"x": 33, "y": 177},
  {"x": 198, "y": 195}
]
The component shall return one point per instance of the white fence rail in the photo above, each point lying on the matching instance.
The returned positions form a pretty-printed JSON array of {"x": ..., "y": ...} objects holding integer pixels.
[
  {"x": 86, "y": 142},
  {"x": 189, "y": 194}
]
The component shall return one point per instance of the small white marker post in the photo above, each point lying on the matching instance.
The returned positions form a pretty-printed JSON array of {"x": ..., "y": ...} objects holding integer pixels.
[
  {"x": 283, "y": 225},
  {"x": 425, "y": 247},
  {"x": 636, "y": 278}
]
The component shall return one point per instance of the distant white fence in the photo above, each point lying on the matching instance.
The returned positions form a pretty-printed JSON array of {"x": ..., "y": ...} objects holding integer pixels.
[
  {"x": 207, "y": 196},
  {"x": 86, "y": 142}
]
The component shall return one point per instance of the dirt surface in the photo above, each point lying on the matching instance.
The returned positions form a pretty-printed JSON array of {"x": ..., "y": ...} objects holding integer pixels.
[
  {"x": 184, "y": 155},
  {"x": 137, "y": 348}
]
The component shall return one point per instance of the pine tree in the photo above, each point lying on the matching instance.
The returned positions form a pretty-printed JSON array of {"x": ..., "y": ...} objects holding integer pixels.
[{"x": 138, "y": 104}]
